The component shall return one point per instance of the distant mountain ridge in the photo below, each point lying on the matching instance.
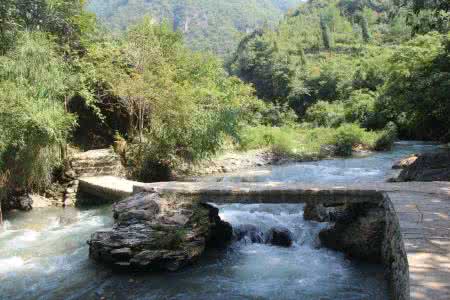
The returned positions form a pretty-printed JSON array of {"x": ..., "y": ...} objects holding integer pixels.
[{"x": 211, "y": 25}]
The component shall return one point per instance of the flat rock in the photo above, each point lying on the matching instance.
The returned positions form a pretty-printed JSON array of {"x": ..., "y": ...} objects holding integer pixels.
[
  {"x": 405, "y": 162},
  {"x": 40, "y": 201},
  {"x": 158, "y": 233},
  {"x": 428, "y": 167}
]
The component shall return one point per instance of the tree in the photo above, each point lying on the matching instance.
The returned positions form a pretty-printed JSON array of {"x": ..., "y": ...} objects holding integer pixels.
[
  {"x": 415, "y": 95},
  {"x": 427, "y": 15},
  {"x": 66, "y": 20},
  {"x": 145, "y": 84},
  {"x": 365, "y": 28},
  {"x": 8, "y": 24},
  {"x": 436, "y": 5},
  {"x": 181, "y": 104},
  {"x": 326, "y": 34},
  {"x": 34, "y": 81}
]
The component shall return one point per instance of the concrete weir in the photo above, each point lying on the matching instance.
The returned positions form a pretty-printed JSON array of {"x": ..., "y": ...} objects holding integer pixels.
[{"x": 416, "y": 248}]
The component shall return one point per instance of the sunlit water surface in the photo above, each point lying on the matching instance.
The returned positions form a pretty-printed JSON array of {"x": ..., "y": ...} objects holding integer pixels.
[
  {"x": 369, "y": 168},
  {"x": 44, "y": 255}
]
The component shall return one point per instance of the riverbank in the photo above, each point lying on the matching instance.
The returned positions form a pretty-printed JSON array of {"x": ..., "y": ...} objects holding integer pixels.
[{"x": 233, "y": 162}]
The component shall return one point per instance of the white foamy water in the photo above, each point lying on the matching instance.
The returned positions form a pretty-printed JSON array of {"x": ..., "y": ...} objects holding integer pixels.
[
  {"x": 10, "y": 264},
  {"x": 52, "y": 262}
]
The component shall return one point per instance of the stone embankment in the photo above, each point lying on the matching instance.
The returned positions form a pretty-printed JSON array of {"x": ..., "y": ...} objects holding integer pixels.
[
  {"x": 101, "y": 162},
  {"x": 232, "y": 162}
]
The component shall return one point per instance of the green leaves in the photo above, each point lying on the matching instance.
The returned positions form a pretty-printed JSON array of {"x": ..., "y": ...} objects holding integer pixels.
[
  {"x": 415, "y": 95},
  {"x": 34, "y": 82},
  {"x": 182, "y": 105},
  {"x": 64, "y": 19}
]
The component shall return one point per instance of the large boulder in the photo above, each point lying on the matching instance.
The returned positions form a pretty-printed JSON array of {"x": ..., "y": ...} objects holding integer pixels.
[
  {"x": 152, "y": 232},
  {"x": 359, "y": 234},
  {"x": 428, "y": 167},
  {"x": 405, "y": 162},
  {"x": 279, "y": 236}
]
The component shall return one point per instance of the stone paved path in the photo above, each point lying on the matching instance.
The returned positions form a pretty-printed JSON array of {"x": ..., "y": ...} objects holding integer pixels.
[{"x": 422, "y": 208}]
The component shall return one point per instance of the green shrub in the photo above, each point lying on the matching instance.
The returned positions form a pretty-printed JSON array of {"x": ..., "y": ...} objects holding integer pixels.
[
  {"x": 306, "y": 143},
  {"x": 346, "y": 137},
  {"x": 387, "y": 137},
  {"x": 281, "y": 140},
  {"x": 324, "y": 114},
  {"x": 278, "y": 115},
  {"x": 360, "y": 108},
  {"x": 285, "y": 142}
]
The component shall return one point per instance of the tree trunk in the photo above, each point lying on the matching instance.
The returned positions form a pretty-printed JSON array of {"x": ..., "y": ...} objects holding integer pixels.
[
  {"x": 141, "y": 120},
  {"x": 1, "y": 217}
]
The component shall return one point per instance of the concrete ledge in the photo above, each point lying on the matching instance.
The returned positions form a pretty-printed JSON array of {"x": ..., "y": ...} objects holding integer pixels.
[
  {"x": 106, "y": 188},
  {"x": 273, "y": 192}
]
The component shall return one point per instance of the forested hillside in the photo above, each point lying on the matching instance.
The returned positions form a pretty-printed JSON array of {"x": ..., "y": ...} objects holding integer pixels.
[
  {"x": 206, "y": 24},
  {"x": 370, "y": 62}
]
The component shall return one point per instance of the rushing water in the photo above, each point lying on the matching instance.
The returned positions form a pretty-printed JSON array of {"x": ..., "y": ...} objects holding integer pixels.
[
  {"x": 375, "y": 167},
  {"x": 43, "y": 253}
]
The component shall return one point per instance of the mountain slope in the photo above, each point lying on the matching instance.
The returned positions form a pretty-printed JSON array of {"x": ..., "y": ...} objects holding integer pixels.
[{"x": 212, "y": 25}]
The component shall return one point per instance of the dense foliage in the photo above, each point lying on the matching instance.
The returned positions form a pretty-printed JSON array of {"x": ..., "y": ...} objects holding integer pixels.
[
  {"x": 182, "y": 104},
  {"x": 172, "y": 105},
  {"x": 370, "y": 62},
  {"x": 211, "y": 25},
  {"x": 37, "y": 40},
  {"x": 33, "y": 83}
]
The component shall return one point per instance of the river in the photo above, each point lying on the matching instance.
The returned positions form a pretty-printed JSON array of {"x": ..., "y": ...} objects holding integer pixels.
[{"x": 44, "y": 255}]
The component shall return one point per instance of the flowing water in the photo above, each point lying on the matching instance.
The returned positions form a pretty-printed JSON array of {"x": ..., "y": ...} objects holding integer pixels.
[
  {"x": 375, "y": 167},
  {"x": 44, "y": 255}
]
